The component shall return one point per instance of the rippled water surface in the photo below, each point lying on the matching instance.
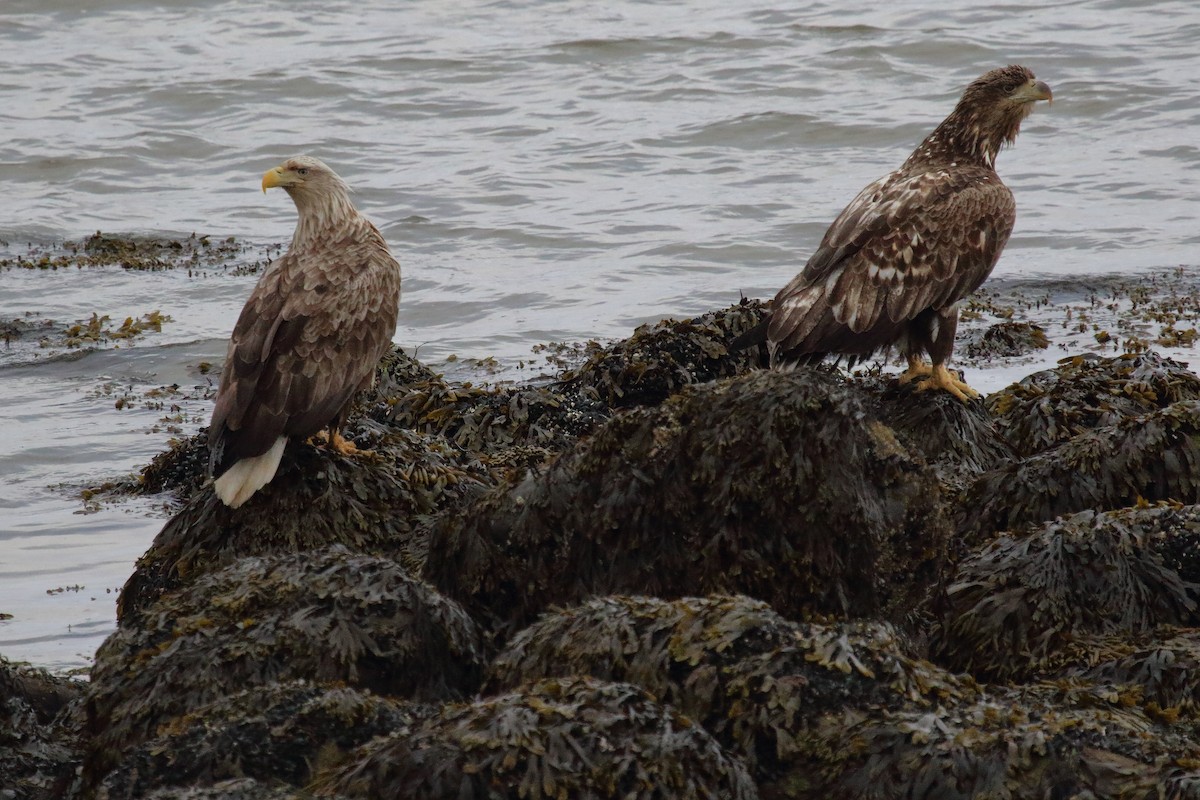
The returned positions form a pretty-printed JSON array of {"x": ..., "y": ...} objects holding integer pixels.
[{"x": 543, "y": 170}]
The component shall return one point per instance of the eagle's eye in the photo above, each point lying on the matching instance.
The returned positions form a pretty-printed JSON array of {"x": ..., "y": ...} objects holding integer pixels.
[{"x": 303, "y": 171}]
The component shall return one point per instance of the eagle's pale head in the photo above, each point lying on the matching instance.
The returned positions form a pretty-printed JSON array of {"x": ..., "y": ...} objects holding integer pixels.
[{"x": 993, "y": 107}]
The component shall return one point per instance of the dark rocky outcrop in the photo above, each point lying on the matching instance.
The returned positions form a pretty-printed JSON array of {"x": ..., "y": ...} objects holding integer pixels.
[
  {"x": 39, "y": 738},
  {"x": 278, "y": 733},
  {"x": 1020, "y": 606},
  {"x": 328, "y": 616},
  {"x": 759, "y": 683},
  {"x": 777, "y": 485},
  {"x": 372, "y": 504}
]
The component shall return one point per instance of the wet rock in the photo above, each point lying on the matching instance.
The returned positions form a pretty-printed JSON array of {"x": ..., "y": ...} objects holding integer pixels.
[
  {"x": 370, "y": 504},
  {"x": 1026, "y": 742},
  {"x": 1087, "y": 392},
  {"x": 1015, "y": 608},
  {"x": 326, "y": 615},
  {"x": 776, "y": 485},
  {"x": 1152, "y": 457},
  {"x": 277, "y": 733},
  {"x": 758, "y": 682},
  {"x": 38, "y": 743},
  {"x": 573, "y": 737}
]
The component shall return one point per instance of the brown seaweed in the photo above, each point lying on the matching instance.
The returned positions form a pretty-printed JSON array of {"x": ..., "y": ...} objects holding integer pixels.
[
  {"x": 575, "y": 738},
  {"x": 39, "y": 747},
  {"x": 277, "y": 733},
  {"x": 1087, "y": 392},
  {"x": 1015, "y": 607},
  {"x": 1149, "y": 457},
  {"x": 777, "y": 485},
  {"x": 758, "y": 682},
  {"x": 373, "y": 504},
  {"x": 326, "y": 615}
]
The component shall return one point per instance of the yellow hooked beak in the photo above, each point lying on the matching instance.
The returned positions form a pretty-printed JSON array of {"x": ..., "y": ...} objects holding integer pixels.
[
  {"x": 1037, "y": 90},
  {"x": 276, "y": 176}
]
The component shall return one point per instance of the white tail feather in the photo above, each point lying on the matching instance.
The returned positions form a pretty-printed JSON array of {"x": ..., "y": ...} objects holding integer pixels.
[{"x": 243, "y": 479}]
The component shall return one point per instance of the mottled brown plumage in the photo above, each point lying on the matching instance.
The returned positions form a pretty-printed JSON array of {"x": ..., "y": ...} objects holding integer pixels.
[
  {"x": 309, "y": 337},
  {"x": 893, "y": 266}
]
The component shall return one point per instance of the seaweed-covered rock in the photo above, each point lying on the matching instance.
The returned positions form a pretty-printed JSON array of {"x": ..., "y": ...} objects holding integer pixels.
[
  {"x": 660, "y": 359},
  {"x": 1006, "y": 340},
  {"x": 1087, "y": 392},
  {"x": 656, "y": 361},
  {"x": 756, "y": 681},
  {"x": 1015, "y": 607},
  {"x": 777, "y": 485},
  {"x": 38, "y": 748},
  {"x": 959, "y": 440},
  {"x": 373, "y": 504},
  {"x": 1161, "y": 669},
  {"x": 1155, "y": 456},
  {"x": 277, "y": 733},
  {"x": 232, "y": 789},
  {"x": 326, "y": 615},
  {"x": 572, "y": 738},
  {"x": 1027, "y": 742}
]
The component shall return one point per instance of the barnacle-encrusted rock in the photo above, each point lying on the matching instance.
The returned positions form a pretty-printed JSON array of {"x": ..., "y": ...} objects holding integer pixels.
[
  {"x": 1011, "y": 743},
  {"x": 277, "y": 733},
  {"x": 37, "y": 745},
  {"x": 1086, "y": 392},
  {"x": 776, "y": 485},
  {"x": 756, "y": 681},
  {"x": 326, "y": 615},
  {"x": 370, "y": 504},
  {"x": 1155, "y": 456},
  {"x": 1014, "y": 608},
  {"x": 575, "y": 738}
]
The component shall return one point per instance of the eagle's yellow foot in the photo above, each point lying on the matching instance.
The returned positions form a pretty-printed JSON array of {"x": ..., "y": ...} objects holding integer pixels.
[
  {"x": 942, "y": 378},
  {"x": 320, "y": 438},
  {"x": 346, "y": 447},
  {"x": 916, "y": 369}
]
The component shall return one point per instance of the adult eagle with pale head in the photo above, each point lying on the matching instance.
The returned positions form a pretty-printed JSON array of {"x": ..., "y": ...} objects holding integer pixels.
[
  {"x": 894, "y": 265},
  {"x": 310, "y": 336}
]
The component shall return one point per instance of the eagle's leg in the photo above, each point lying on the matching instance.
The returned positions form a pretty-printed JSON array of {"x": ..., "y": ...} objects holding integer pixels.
[
  {"x": 937, "y": 328},
  {"x": 917, "y": 368}
]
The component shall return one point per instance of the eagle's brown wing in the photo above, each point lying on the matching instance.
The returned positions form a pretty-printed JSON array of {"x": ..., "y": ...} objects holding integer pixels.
[
  {"x": 907, "y": 243},
  {"x": 308, "y": 338}
]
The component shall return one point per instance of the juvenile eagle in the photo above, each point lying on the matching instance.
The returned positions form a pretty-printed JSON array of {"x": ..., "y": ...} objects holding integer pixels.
[
  {"x": 309, "y": 337},
  {"x": 893, "y": 266}
]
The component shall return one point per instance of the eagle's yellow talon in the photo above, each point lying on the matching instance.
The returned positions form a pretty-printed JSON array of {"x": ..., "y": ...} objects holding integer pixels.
[
  {"x": 916, "y": 369},
  {"x": 942, "y": 378}
]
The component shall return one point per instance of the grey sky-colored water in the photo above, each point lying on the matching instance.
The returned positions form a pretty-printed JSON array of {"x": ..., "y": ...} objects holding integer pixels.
[{"x": 543, "y": 170}]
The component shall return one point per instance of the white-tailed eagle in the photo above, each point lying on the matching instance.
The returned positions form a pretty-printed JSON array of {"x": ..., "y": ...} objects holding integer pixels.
[
  {"x": 894, "y": 265},
  {"x": 310, "y": 336}
]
